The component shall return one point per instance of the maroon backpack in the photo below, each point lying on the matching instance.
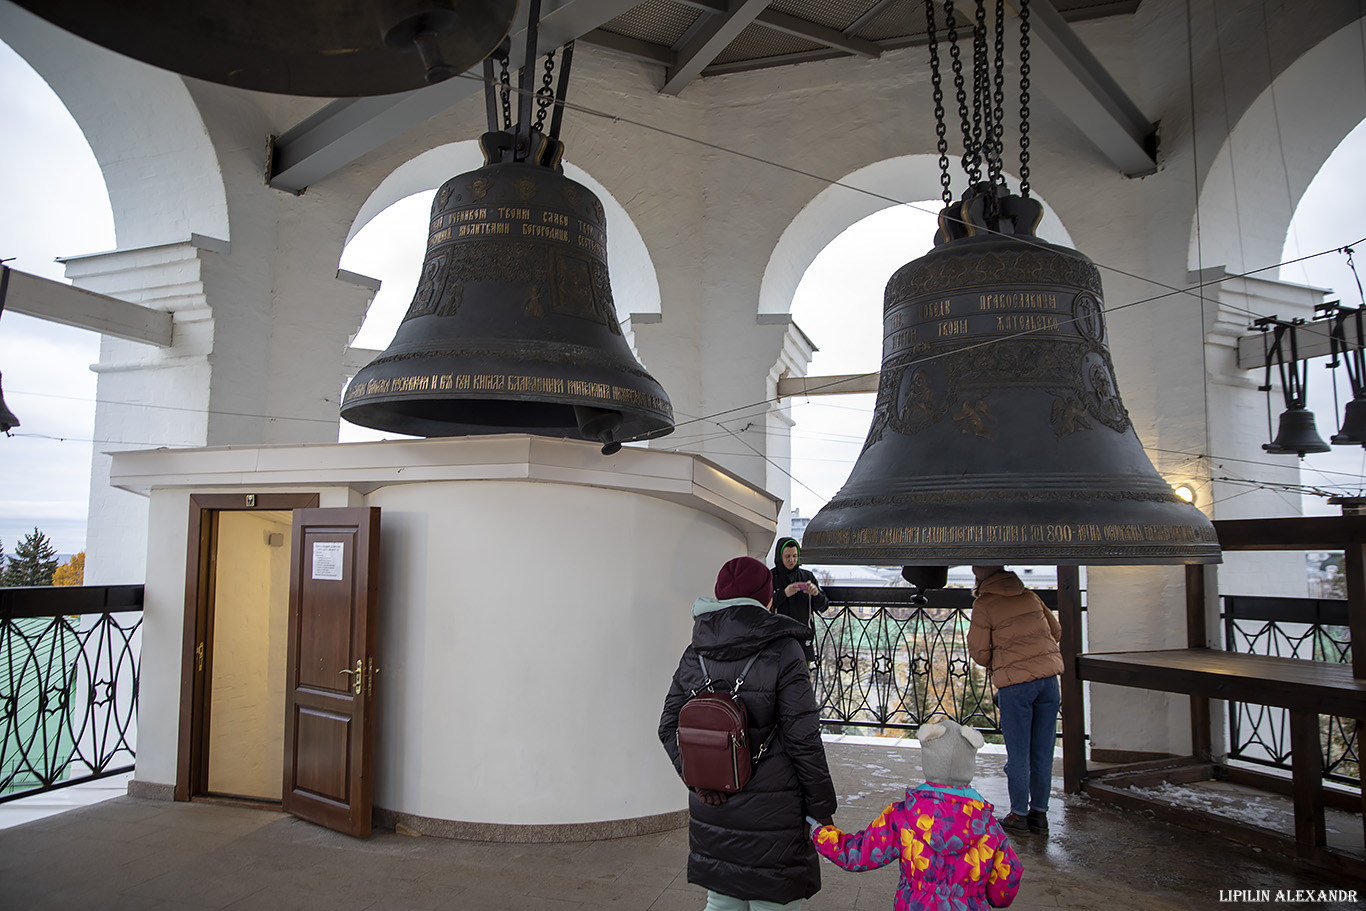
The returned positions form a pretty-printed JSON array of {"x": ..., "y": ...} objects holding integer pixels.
[{"x": 713, "y": 736}]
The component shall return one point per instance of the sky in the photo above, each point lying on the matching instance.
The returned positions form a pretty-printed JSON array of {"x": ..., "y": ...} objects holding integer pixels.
[{"x": 54, "y": 204}]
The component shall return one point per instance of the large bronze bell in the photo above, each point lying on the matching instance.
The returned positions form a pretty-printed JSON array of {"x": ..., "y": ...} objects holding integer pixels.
[
  {"x": 325, "y": 48},
  {"x": 998, "y": 435},
  {"x": 513, "y": 328}
]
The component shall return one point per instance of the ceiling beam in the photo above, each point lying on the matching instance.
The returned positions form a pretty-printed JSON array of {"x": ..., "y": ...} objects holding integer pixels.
[
  {"x": 800, "y": 28},
  {"x": 344, "y": 130},
  {"x": 838, "y": 384},
  {"x": 632, "y": 47},
  {"x": 710, "y": 39},
  {"x": 1067, "y": 72},
  {"x": 58, "y": 302}
]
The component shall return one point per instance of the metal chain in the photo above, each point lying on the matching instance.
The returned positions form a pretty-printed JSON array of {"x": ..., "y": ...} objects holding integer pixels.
[
  {"x": 969, "y": 150},
  {"x": 940, "y": 130},
  {"x": 1024, "y": 98},
  {"x": 545, "y": 95},
  {"x": 997, "y": 146},
  {"x": 505, "y": 91},
  {"x": 981, "y": 92}
]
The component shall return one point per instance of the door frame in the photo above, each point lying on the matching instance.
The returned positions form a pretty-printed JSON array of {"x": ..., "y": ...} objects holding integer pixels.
[{"x": 196, "y": 653}]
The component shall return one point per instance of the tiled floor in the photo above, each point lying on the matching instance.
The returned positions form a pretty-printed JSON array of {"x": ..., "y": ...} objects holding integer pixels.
[{"x": 139, "y": 855}]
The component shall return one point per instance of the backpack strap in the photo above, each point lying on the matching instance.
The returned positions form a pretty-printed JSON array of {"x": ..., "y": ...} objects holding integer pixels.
[
  {"x": 706, "y": 677},
  {"x": 735, "y": 689}
]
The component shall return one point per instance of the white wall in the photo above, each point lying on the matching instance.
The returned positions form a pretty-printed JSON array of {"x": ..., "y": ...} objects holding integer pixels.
[{"x": 528, "y": 636}]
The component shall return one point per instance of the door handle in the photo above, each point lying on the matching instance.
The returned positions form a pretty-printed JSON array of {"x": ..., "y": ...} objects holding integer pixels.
[{"x": 357, "y": 679}]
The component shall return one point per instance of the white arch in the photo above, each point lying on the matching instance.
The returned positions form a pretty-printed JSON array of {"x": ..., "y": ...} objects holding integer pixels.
[
  {"x": 635, "y": 285},
  {"x": 858, "y": 195},
  {"x": 1263, "y": 168},
  {"x": 124, "y": 108}
]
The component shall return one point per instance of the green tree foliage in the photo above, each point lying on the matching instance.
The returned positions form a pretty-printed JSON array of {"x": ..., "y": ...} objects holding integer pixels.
[
  {"x": 33, "y": 563},
  {"x": 72, "y": 572}
]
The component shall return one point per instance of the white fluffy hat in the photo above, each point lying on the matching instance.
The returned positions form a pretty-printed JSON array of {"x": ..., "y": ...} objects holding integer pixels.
[{"x": 948, "y": 752}]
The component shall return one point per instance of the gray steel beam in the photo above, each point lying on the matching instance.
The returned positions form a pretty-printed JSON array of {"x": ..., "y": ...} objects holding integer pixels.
[
  {"x": 711, "y": 39},
  {"x": 344, "y": 130},
  {"x": 800, "y": 28},
  {"x": 1067, "y": 72},
  {"x": 43, "y": 298}
]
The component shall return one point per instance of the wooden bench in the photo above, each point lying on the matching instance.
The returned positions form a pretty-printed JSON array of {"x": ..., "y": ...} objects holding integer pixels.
[{"x": 1306, "y": 689}]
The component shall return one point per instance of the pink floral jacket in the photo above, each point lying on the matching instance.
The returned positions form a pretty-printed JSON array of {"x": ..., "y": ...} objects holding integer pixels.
[{"x": 954, "y": 854}]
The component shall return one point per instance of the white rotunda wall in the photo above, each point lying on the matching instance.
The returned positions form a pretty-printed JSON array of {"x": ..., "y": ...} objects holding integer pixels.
[{"x": 530, "y": 634}]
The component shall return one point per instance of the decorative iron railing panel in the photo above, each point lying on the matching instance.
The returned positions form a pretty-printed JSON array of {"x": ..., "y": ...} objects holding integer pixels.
[
  {"x": 1309, "y": 628},
  {"x": 885, "y": 662},
  {"x": 69, "y": 661}
]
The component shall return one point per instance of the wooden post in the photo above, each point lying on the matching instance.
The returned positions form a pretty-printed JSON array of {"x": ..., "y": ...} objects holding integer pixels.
[
  {"x": 1073, "y": 706},
  {"x": 1306, "y": 774},
  {"x": 1197, "y": 636}
]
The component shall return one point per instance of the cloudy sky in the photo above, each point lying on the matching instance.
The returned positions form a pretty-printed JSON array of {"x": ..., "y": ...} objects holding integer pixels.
[{"x": 54, "y": 204}]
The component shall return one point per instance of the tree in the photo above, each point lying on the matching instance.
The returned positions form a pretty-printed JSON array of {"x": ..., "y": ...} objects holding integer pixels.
[
  {"x": 72, "y": 572},
  {"x": 33, "y": 563}
]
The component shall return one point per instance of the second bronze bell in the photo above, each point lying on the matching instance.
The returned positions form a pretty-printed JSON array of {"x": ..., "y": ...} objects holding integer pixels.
[
  {"x": 998, "y": 436},
  {"x": 512, "y": 328}
]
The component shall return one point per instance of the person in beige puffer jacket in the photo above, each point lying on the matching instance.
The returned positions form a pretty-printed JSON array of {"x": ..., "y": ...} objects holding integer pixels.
[{"x": 1015, "y": 637}]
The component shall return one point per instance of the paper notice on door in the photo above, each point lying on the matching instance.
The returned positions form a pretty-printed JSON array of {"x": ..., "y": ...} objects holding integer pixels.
[{"x": 327, "y": 559}]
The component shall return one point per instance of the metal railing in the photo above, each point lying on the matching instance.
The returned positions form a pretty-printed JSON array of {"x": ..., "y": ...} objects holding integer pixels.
[
  {"x": 1310, "y": 628},
  {"x": 69, "y": 660},
  {"x": 886, "y": 662}
]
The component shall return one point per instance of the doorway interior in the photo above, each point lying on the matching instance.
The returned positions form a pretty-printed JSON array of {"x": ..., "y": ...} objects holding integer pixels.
[{"x": 236, "y": 651}]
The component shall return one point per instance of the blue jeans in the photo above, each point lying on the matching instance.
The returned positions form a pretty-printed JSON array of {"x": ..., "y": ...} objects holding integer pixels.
[{"x": 1029, "y": 721}]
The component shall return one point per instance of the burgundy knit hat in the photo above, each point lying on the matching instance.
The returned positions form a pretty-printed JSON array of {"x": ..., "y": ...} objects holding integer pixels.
[{"x": 744, "y": 577}]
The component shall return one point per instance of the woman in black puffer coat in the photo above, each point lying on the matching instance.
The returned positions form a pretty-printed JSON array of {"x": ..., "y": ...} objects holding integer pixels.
[{"x": 755, "y": 845}]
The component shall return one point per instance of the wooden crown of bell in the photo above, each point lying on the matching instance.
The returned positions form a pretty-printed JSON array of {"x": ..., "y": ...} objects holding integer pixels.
[
  {"x": 998, "y": 434},
  {"x": 512, "y": 328}
]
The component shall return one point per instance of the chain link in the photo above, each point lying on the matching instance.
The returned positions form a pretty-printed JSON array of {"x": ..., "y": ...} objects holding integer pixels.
[
  {"x": 997, "y": 144},
  {"x": 545, "y": 95},
  {"x": 505, "y": 92},
  {"x": 1024, "y": 98},
  {"x": 940, "y": 130},
  {"x": 969, "y": 150},
  {"x": 981, "y": 93}
]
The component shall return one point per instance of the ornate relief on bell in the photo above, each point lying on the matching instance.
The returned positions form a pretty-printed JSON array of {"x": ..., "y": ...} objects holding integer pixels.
[{"x": 998, "y": 435}]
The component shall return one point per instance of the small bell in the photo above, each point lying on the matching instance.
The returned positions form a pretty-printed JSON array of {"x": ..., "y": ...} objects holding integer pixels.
[
  {"x": 1297, "y": 433},
  {"x": 7, "y": 418},
  {"x": 1353, "y": 430}
]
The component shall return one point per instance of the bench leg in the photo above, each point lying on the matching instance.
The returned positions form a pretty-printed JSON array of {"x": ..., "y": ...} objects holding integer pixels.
[
  {"x": 1307, "y": 783},
  {"x": 1073, "y": 708}
]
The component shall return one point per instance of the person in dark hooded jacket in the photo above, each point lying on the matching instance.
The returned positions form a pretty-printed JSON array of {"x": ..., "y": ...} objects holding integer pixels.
[
  {"x": 751, "y": 850},
  {"x": 795, "y": 592}
]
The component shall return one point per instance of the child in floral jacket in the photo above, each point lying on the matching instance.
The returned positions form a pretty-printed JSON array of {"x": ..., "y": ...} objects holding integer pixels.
[{"x": 954, "y": 854}]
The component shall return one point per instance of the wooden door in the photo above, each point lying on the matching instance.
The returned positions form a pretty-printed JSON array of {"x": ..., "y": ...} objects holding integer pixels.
[{"x": 330, "y": 690}]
